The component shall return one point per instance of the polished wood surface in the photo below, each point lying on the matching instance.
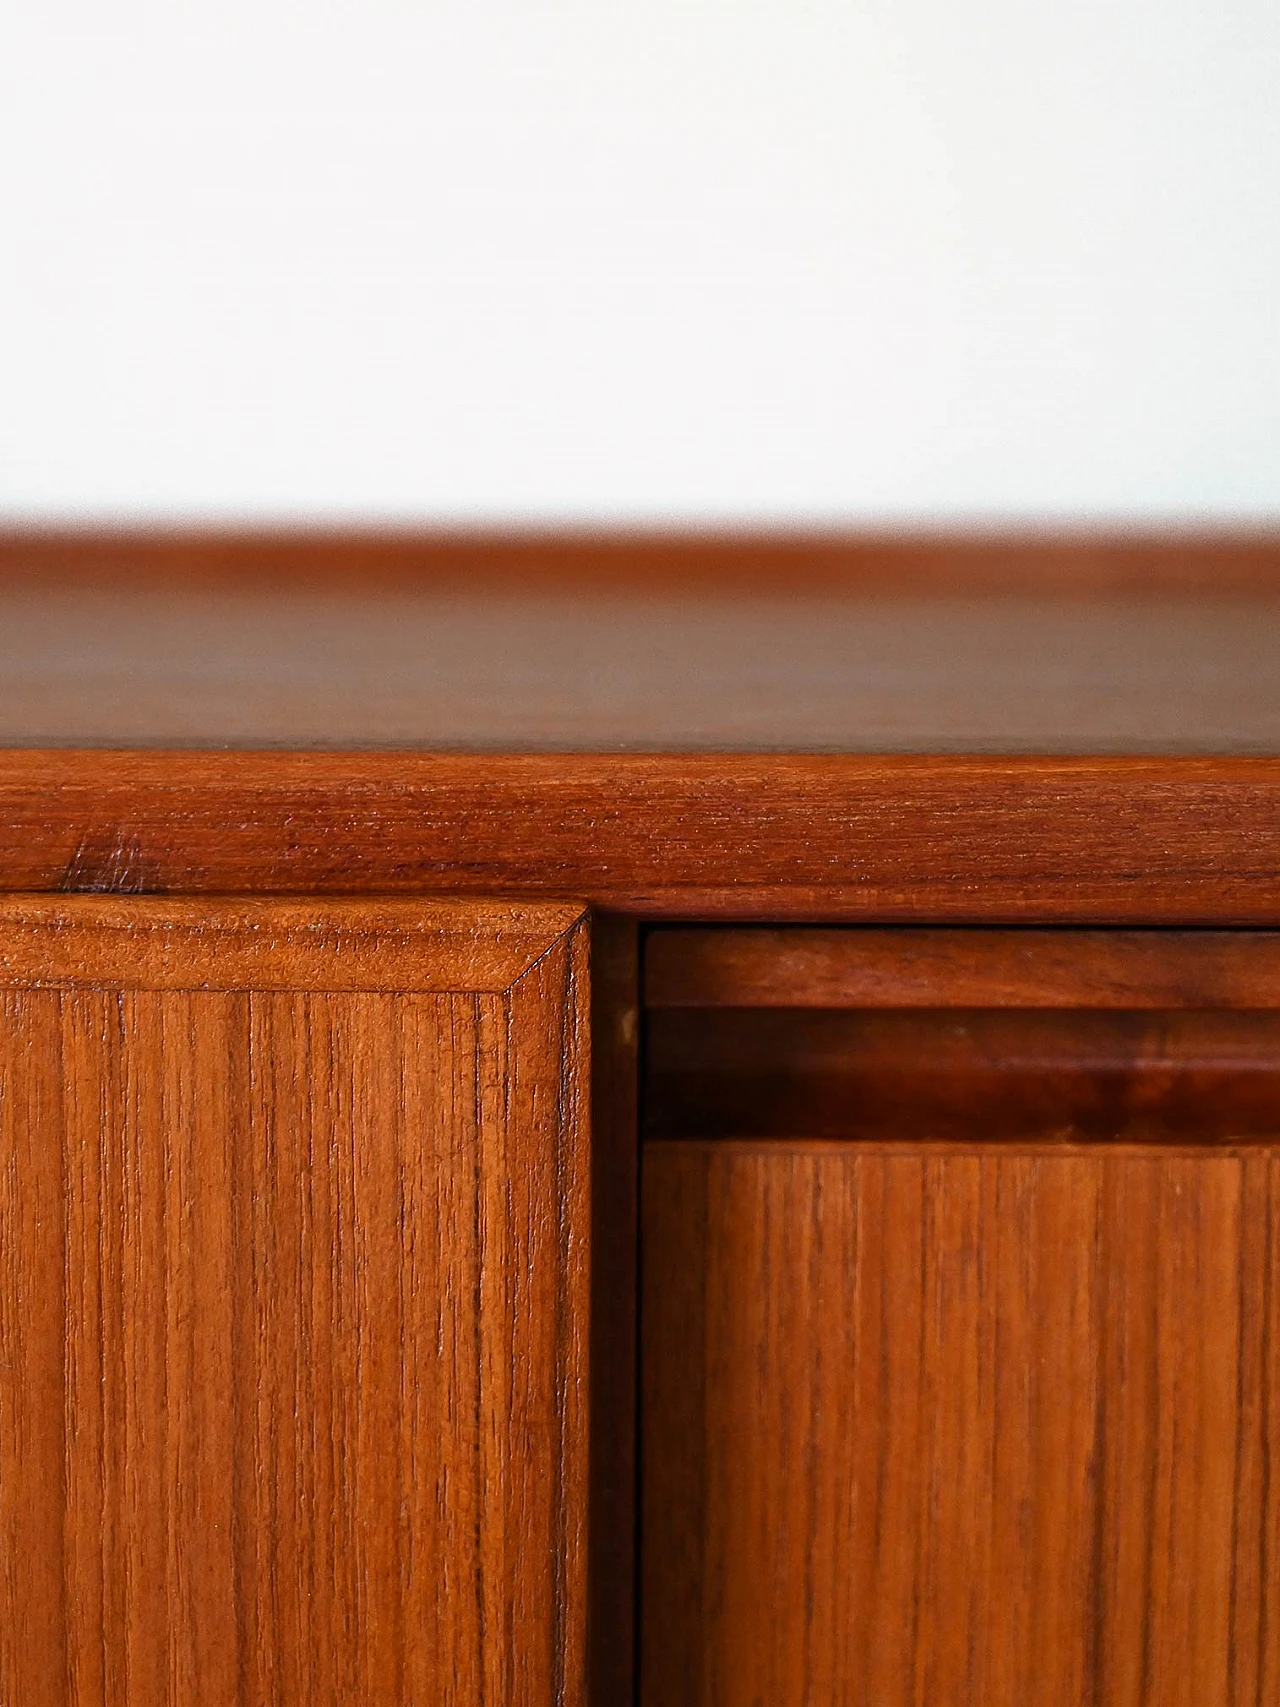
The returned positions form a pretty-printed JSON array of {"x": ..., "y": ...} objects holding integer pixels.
[
  {"x": 936, "y": 1425},
  {"x": 1086, "y": 558},
  {"x": 246, "y": 943},
  {"x": 293, "y": 1324},
  {"x": 922, "y": 968},
  {"x": 1041, "y": 1073},
  {"x": 923, "y": 1033},
  {"x": 615, "y": 1208},
  {"x": 317, "y": 1274},
  {"x": 947, "y": 643},
  {"x": 766, "y": 837}
]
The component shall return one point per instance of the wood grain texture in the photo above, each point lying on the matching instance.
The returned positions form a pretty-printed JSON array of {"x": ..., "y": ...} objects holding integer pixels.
[
  {"x": 1086, "y": 841},
  {"x": 1144, "y": 1077},
  {"x": 952, "y": 644},
  {"x": 922, "y": 968},
  {"x": 960, "y": 1425},
  {"x": 243, "y": 943},
  {"x": 615, "y": 1208},
  {"x": 293, "y": 1341}
]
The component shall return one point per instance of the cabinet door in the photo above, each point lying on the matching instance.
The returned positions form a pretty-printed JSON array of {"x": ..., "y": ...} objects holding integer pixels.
[
  {"x": 976, "y": 1427},
  {"x": 294, "y": 1234},
  {"x": 961, "y": 1319}
]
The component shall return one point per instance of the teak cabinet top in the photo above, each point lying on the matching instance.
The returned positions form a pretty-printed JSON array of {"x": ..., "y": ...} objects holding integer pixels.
[{"x": 1074, "y": 729}]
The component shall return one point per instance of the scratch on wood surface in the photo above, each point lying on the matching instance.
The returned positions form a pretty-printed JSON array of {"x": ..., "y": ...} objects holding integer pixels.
[{"x": 109, "y": 862}]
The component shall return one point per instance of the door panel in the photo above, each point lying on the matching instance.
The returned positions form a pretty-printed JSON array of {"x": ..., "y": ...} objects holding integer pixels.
[
  {"x": 294, "y": 1234},
  {"x": 959, "y": 1424}
]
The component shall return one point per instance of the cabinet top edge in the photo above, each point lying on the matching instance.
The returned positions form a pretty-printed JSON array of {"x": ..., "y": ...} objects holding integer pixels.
[{"x": 816, "y": 838}]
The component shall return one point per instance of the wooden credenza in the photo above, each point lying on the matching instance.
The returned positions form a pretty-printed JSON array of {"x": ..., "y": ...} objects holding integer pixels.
[{"x": 526, "y": 1177}]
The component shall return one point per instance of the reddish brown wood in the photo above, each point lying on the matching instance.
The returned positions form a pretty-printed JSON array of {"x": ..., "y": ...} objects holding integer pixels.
[
  {"x": 1089, "y": 841},
  {"x": 960, "y": 1425},
  {"x": 202, "y": 1382},
  {"x": 956, "y": 645},
  {"x": 149, "y": 943},
  {"x": 938, "y": 1033},
  {"x": 294, "y": 1321},
  {"x": 1014, "y": 559},
  {"x": 1146, "y": 1077},
  {"x": 921, "y": 968},
  {"x": 615, "y": 1179}
]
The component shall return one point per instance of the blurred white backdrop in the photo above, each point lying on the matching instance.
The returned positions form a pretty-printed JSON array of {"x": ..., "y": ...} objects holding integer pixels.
[{"x": 749, "y": 259}]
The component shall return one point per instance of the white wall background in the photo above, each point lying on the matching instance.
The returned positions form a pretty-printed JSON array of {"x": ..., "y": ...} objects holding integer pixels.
[{"x": 884, "y": 259}]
